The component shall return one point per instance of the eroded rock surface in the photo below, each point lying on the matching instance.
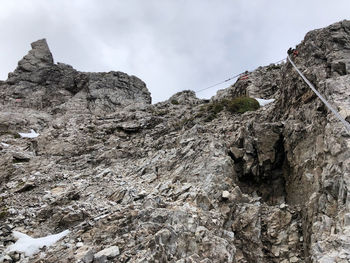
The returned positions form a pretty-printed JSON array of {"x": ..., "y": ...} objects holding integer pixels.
[
  {"x": 136, "y": 182},
  {"x": 38, "y": 83}
]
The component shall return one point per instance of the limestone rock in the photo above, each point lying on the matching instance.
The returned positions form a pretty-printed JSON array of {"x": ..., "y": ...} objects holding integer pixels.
[
  {"x": 136, "y": 182},
  {"x": 108, "y": 253},
  {"x": 40, "y": 56},
  {"x": 38, "y": 83}
]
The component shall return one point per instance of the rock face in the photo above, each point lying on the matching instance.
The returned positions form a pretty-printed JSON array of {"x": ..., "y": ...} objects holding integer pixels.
[
  {"x": 39, "y": 84},
  {"x": 136, "y": 182}
]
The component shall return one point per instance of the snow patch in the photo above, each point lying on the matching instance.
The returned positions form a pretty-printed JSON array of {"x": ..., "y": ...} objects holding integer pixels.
[
  {"x": 32, "y": 134},
  {"x": 30, "y": 246},
  {"x": 5, "y": 144},
  {"x": 263, "y": 102}
]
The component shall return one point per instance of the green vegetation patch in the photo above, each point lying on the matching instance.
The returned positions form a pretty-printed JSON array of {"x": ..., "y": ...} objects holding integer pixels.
[
  {"x": 12, "y": 133},
  {"x": 16, "y": 136},
  {"x": 242, "y": 104},
  {"x": 3, "y": 213},
  {"x": 236, "y": 105}
]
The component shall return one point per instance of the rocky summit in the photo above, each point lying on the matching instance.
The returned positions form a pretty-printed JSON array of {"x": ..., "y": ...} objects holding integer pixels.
[{"x": 91, "y": 171}]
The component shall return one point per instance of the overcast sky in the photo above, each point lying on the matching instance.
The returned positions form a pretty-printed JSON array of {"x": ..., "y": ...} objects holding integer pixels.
[{"x": 172, "y": 45}]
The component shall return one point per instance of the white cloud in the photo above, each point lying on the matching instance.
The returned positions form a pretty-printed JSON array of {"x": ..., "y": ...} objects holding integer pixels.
[{"x": 171, "y": 45}]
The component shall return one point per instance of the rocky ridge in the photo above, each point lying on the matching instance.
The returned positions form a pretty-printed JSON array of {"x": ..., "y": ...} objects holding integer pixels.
[{"x": 136, "y": 182}]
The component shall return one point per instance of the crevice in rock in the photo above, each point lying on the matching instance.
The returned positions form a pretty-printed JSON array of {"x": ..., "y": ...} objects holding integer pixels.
[
  {"x": 278, "y": 223},
  {"x": 267, "y": 180}
]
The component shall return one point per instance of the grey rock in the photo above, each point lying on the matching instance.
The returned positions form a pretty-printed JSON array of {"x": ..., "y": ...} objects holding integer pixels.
[
  {"x": 225, "y": 194},
  {"x": 21, "y": 156},
  {"x": 88, "y": 257},
  {"x": 161, "y": 183},
  {"x": 40, "y": 56},
  {"x": 109, "y": 253},
  {"x": 6, "y": 259},
  {"x": 38, "y": 83}
]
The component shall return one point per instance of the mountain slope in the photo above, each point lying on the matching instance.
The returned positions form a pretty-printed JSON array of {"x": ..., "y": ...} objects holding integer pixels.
[{"x": 185, "y": 180}]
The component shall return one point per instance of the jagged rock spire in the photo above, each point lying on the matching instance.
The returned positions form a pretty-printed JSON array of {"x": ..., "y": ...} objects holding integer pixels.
[
  {"x": 39, "y": 56},
  {"x": 41, "y": 84}
]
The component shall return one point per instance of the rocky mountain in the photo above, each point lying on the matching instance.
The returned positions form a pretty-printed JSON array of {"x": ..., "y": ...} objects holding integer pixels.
[{"x": 184, "y": 180}]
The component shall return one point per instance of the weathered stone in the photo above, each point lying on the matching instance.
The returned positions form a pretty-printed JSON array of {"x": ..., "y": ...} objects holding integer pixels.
[
  {"x": 165, "y": 183},
  {"x": 26, "y": 187},
  {"x": 88, "y": 257},
  {"x": 347, "y": 220},
  {"x": 225, "y": 194},
  {"x": 40, "y": 84},
  {"x": 21, "y": 156},
  {"x": 6, "y": 259},
  {"x": 109, "y": 253}
]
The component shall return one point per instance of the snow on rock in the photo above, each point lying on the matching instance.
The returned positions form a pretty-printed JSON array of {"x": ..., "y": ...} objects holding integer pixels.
[
  {"x": 263, "y": 102},
  {"x": 32, "y": 134},
  {"x": 30, "y": 246},
  {"x": 5, "y": 144}
]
